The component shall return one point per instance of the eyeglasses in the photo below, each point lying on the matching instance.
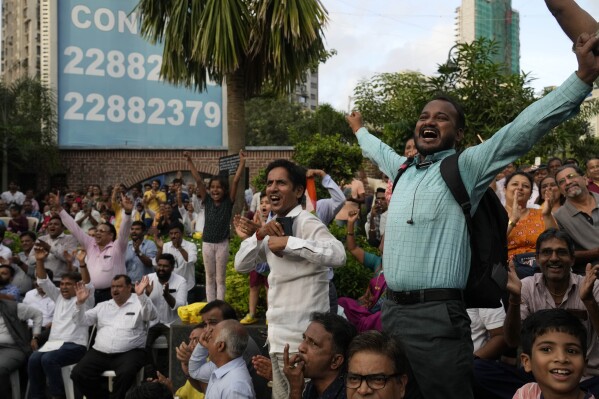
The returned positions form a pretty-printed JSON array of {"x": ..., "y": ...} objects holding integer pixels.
[
  {"x": 560, "y": 252},
  {"x": 374, "y": 381},
  {"x": 569, "y": 176}
]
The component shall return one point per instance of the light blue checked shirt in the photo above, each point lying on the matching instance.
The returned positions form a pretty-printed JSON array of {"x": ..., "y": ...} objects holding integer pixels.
[{"x": 434, "y": 251}]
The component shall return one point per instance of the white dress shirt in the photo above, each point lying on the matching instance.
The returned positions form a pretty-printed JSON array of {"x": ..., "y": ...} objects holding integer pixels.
[
  {"x": 120, "y": 328},
  {"x": 8, "y": 197},
  {"x": 24, "y": 313},
  {"x": 185, "y": 269},
  {"x": 55, "y": 260},
  {"x": 44, "y": 304},
  {"x": 298, "y": 279},
  {"x": 63, "y": 328},
  {"x": 166, "y": 314}
]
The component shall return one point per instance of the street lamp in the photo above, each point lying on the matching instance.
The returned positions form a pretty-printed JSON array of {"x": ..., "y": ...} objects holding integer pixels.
[{"x": 450, "y": 66}]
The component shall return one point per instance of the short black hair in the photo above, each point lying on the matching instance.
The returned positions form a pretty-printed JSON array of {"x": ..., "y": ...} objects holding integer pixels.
[
  {"x": 342, "y": 330},
  {"x": 296, "y": 173},
  {"x": 119, "y": 276},
  {"x": 554, "y": 159},
  {"x": 557, "y": 234},
  {"x": 176, "y": 225},
  {"x": 168, "y": 257},
  {"x": 552, "y": 320},
  {"x": 380, "y": 190},
  {"x": 383, "y": 344},
  {"x": 226, "y": 309},
  {"x": 75, "y": 276},
  {"x": 10, "y": 268},
  {"x": 461, "y": 120},
  {"x": 29, "y": 234},
  {"x": 140, "y": 224}
]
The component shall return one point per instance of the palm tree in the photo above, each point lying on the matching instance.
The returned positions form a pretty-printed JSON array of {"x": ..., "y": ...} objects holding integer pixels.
[{"x": 246, "y": 44}]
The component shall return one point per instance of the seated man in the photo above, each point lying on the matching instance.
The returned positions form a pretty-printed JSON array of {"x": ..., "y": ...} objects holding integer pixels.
[
  {"x": 321, "y": 358},
  {"x": 199, "y": 371},
  {"x": 168, "y": 291},
  {"x": 120, "y": 343},
  {"x": 225, "y": 344},
  {"x": 37, "y": 298},
  {"x": 376, "y": 220},
  {"x": 68, "y": 341},
  {"x": 15, "y": 340},
  {"x": 377, "y": 365},
  {"x": 7, "y": 289},
  {"x": 555, "y": 287}
]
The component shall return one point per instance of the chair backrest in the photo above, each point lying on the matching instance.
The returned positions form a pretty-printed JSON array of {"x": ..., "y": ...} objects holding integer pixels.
[{"x": 32, "y": 222}]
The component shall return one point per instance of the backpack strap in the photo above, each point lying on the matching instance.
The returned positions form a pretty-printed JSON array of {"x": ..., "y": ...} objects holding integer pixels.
[
  {"x": 450, "y": 172},
  {"x": 402, "y": 168}
]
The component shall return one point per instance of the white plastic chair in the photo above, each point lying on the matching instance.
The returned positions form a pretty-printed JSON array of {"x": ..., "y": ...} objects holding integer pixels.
[
  {"x": 110, "y": 374},
  {"x": 15, "y": 384}
]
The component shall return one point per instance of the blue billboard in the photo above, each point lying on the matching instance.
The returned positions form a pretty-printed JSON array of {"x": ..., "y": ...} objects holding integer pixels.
[{"x": 109, "y": 91}]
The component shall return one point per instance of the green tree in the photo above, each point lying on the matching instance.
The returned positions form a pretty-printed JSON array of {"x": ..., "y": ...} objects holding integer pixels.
[
  {"x": 269, "y": 120},
  {"x": 491, "y": 97},
  {"x": 331, "y": 154},
  {"x": 325, "y": 120},
  {"x": 243, "y": 44},
  {"x": 28, "y": 124},
  {"x": 573, "y": 138}
]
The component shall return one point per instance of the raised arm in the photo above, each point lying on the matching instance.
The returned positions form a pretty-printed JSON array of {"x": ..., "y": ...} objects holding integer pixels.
[
  {"x": 237, "y": 177},
  {"x": 571, "y": 18},
  {"x": 513, "y": 321},
  {"x": 196, "y": 175}
]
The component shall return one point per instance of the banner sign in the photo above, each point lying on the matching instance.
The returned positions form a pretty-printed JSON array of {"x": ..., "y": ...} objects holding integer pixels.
[{"x": 109, "y": 91}]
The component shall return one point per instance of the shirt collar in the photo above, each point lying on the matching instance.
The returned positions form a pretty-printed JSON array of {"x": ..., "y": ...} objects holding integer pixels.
[
  {"x": 437, "y": 156},
  {"x": 225, "y": 368}
]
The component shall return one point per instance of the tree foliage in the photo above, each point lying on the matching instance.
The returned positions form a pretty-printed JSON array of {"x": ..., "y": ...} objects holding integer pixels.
[
  {"x": 331, "y": 154},
  {"x": 28, "y": 125},
  {"x": 491, "y": 97},
  {"x": 270, "y": 121}
]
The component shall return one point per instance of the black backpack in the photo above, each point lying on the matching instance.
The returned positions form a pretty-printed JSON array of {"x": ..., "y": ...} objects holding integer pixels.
[{"x": 487, "y": 279}]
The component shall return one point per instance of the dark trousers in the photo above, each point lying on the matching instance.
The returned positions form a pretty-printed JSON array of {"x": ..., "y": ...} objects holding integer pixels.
[
  {"x": 47, "y": 365},
  {"x": 437, "y": 341},
  {"x": 498, "y": 380},
  {"x": 102, "y": 295},
  {"x": 152, "y": 364},
  {"x": 333, "y": 297},
  {"x": 87, "y": 374}
]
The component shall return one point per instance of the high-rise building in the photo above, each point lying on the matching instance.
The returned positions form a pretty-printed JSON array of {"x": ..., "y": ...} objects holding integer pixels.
[
  {"x": 20, "y": 39},
  {"x": 306, "y": 91},
  {"x": 495, "y": 20}
]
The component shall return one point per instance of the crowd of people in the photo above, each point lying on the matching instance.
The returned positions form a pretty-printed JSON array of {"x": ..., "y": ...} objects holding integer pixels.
[{"x": 100, "y": 277}]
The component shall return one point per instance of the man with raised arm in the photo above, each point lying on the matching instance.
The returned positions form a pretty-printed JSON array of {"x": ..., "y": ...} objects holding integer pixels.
[
  {"x": 106, "y": 252},
  {"x": 427, "y": 249},
  {"x": 122, "y": 331},
  {"x": 68, "y": 341}
]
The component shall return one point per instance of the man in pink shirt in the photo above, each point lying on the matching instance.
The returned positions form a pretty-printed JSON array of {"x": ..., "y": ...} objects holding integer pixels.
[{"x": 105, "y": 251}]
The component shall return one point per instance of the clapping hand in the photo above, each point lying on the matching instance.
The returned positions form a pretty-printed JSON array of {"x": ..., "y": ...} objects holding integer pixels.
[{"x": 142, "y": 286}]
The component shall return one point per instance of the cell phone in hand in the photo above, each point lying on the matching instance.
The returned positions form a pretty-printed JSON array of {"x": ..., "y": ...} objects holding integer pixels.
[{"x": 287, "y": 224}]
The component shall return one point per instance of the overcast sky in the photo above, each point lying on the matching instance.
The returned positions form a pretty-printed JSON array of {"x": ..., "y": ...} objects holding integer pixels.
[{"x": 376, "y": 36}]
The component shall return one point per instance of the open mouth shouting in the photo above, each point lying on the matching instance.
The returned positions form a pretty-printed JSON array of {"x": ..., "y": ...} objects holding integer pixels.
[{"x": 429, "y": 134}]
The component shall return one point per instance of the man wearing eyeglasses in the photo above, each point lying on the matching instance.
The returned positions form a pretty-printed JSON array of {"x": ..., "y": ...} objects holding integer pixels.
[
  {"x": 555, "y": 287},
  {"x": 579, "y": 216},
  {"x": 377, "y": 367},
  {"x": 106, "y": 251}
]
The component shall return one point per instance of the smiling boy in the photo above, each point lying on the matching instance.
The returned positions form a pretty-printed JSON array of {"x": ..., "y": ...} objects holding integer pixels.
[{"x": 554, "y": 349}]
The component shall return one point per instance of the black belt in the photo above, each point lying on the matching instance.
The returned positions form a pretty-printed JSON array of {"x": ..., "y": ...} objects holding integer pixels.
[{"x": 421, "y": 296}]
